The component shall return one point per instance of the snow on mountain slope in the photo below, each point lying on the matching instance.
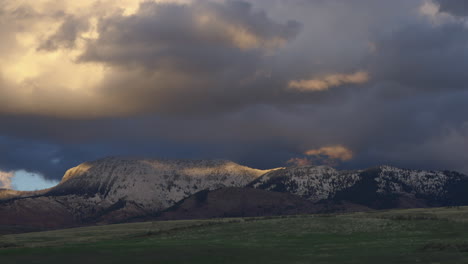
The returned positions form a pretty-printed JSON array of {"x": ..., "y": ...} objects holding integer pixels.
[
  {"x": 312, "y": 182},
  {"x": 420, "y": 182},
  {"x": 321, "y": 183},
  {"x": 151, "y": 184}
]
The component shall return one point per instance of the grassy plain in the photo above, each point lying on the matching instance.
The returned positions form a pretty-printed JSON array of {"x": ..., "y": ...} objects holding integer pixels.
[{"x": 437, "y": 235}]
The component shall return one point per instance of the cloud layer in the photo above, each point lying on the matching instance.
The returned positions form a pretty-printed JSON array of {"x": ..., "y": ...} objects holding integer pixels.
[
  {"x": 258, "y": 82},
  {"x": 120, "y": 64}
]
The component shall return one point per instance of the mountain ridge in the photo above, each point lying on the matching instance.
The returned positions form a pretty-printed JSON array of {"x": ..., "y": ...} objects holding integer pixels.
[
  {"x": 319, "y": 183},
  {"x": 116, "y": 189}
]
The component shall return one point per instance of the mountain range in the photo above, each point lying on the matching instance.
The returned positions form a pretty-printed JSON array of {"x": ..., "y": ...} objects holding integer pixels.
[{"x": 113, "y": 190}]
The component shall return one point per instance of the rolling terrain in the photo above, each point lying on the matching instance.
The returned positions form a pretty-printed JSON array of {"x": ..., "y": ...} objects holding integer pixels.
[{"x": 436, "y": 235}]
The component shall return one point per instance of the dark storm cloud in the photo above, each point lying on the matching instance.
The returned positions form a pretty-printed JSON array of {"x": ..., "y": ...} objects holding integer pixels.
[
  {"x": 422, "y": 58},
  {"x": 200, "y": 58},
  {"x": 423, "y": 132},
  {"x": 454, "y": 7},
  {"x": 201, "y": 37},
  {"x": 29, "y": 155}
]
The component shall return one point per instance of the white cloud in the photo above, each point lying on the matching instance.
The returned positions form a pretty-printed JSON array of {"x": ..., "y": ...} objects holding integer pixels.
[{"x": 26, "y": 181}]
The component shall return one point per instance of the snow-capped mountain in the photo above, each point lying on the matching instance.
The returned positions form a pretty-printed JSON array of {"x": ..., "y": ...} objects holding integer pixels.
[
  {"x": 380, "y": 187},
  {"x": 114, "y": 189},
  {"x": 117, "y": 189},
  {"x": 151, "y": 184}
]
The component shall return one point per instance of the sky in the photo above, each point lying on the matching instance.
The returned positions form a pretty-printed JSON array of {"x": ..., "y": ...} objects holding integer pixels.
[{"x": 350, "y": 84}]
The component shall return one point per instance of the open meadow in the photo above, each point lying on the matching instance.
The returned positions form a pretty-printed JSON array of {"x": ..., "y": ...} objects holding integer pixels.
[{"x": 437, "y": 235}]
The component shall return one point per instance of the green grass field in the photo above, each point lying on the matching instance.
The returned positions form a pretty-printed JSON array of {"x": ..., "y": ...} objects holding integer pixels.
[{"x": 402, "y": 236}]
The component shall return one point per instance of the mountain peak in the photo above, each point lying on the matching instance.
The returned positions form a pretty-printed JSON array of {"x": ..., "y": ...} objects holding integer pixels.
[{"x": 152, "y": 181}]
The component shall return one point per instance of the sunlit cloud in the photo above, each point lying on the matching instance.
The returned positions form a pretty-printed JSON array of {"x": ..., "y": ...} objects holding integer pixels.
[
  {"x": 329, "y": 81},
  {"x": 39, "y": 71},
  {"x": 58, "y": 56},
  {"x": 432, "y": 11},
  {"x": 336, "y": 152},
  {"x": 241, "y": 36},
  {"x": 429, "y": 8},
  {"x": 328, "y": 155},
  {"x": 5, "y": 179}
]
